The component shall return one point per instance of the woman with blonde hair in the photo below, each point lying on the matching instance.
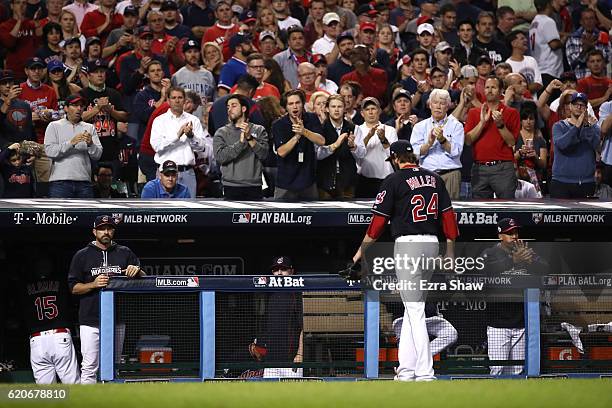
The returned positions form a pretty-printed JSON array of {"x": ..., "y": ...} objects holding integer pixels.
[
  {"x": 266, "y": 21},
  {"x": 317, "y": 103},
  {"x": 70, "y": 29},
  {"x": 212, "y": 57}
]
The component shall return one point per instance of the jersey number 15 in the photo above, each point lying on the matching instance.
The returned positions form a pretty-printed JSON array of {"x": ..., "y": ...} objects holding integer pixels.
[{"x": 45, "y": 307}]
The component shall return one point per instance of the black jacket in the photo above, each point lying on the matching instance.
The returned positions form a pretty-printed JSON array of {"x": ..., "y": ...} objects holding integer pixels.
[
  {"x": 338, "y": 170},
  {"x": 90, "y": 262}
]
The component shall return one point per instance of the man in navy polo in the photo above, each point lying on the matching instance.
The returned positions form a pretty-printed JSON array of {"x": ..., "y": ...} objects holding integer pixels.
[
  {"x": 295, "y": 136},
  {"x": 166, "y": 186},
  {"x": 241, "y": 46}
]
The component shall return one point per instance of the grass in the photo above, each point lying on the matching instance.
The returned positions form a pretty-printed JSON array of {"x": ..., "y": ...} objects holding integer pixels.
[{"x": 556, "y": 393}]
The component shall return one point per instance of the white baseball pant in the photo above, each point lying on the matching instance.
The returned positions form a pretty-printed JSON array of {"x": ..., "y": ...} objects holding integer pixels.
[
  {"x": 282, "y": 372},
  {"x": 415, "y": 360},
  {"x": 445, "y": 333},
  {"x": 90, "y": 350},
  {"x": 505, "y": 344},
  {"x": 53, "y": 354}
]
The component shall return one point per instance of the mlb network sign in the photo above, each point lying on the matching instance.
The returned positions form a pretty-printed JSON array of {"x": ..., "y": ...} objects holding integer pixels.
[{"x": 190, "y": 282}]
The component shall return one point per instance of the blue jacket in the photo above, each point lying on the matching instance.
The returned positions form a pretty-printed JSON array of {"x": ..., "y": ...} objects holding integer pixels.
[
  {"x": 154, "y": 189},
  {"x": 574, "y": 149}
]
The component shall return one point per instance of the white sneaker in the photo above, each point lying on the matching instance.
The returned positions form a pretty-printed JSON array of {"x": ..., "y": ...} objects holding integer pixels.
[
  {"x": 425, "y": 379},
  {"x": 403, "y": 379},
  {"x": 397, "y": 326}
]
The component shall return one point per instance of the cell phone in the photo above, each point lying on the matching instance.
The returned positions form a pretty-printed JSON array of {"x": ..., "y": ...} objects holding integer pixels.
[{"x": 129, "y": 31}]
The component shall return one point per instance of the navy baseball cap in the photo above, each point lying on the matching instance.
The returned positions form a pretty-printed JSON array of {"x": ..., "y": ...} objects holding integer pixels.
[
  {"x": 73, "y": 40},
  {"x": 402, "y": 93},
  {"x": 248, "y": 17},
  {"x": 368, "y": 9},
  {"x": 130, "y": 11},
  {"x": 281, "y": 261},
  {"x": 579, "y": 96},
  {"x": 168, "y": 5},
  {"x": 506, "y": 225},
  {"x": 92, "y": 40},
  {"x": 399, "y": 147},
  {"x": 190, "y": 45},
  {"x": 345, "y": 36},
  {"x": 239, "y": 38},
  {"x": 35, "y": 62},
  {"x": 74, "y": 99},
  {"x": 54, "y": 65},
  {"x": 169, "y": 167},
  {"x": 6, "y": 75},
  {"x": 102, "y": 220},
  {"x": 96, "y": 64}
]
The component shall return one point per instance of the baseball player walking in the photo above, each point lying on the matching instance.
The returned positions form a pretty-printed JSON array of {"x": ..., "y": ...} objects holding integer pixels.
[
  {"x": 418, "y": 205},
  {"x": 90, "y": 270},
  {"x": 52, "y": 353}
]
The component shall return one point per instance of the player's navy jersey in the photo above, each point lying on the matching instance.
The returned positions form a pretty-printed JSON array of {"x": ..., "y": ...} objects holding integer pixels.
[
  {"x": 46, "y": 305},
  {"x": 414, "y": 199},
  {"x": 90, "y": 262}
]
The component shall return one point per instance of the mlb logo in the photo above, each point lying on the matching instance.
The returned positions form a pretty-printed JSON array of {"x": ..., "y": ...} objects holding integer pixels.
[
  {"x": 551, "y": 280},
  {"x": 537, "y": 217},
  {"x": 241, "y": 218},
  {"x": 118, "y": 218},
  {"x": 260, "y": 281},
  {"x": 193, "y": 282}
]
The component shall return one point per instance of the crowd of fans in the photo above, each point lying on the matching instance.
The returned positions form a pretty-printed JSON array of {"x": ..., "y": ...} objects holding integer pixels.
[{"x": 301, "y": 99}]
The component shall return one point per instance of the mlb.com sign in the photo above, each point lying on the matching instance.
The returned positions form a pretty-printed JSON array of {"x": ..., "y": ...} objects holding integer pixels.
[{"x": 190, "y": 282}]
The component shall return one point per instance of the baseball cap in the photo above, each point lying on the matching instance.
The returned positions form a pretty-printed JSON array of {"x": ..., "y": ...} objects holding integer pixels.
[
  {"x": 54, "y": 65},
  {"x": 168, "y": 5},
  {"x": 92, "y": 40},
  {"x": 7, "y": 75},
  {"x": 102, "y": 220},
  {"x": 73, "y": 40},
  {"x": 366, "y": 25},
  {"x": 568, "y": 76},
  {"x": 168, "y": 167},
  {"x": 191, "y": 44},
  {"x": 344, "y": 36},
  {"x": 367, "y": 9},
  {"x": 248, "y": 17},
  {"x": 425, "y": 28},
  {"x": 402, "y": 93},
  {"x": 281, "y": 261},
  {"x": 35, "y": 62},
  {"x": 266, "y": 34},
  {"x": 237, "y": 9},
  {"x": 368, "y": 101},
  {"x": 506, "y": 225},
  {"x": 96, "y": 64},
  {"x": 469, "y": 71},
  {"x": 319, "y": 59},
  {"x": 484, "y": 59},
  {"x": 237, "y": 39},
  {"x": 130, "y": 11},
  {"x": 443, "y": 46},
  {"x": 74, "y": 99},
  {"x": 399, "y": 147},
  {"x": 405, "y": 60},
  {"x": 144, "y": 31},
  {"x": 579, "y": 96},
  {"x": 330, "y": 17}
]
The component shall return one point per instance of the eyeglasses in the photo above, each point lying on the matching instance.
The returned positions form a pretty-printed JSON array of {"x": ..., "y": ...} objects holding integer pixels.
[
  {"x": 57, "y": 71},
  {"x": 579, "y": 105},
  {"x": 257, "y": 66},
  {"x": 333, "y": 24}
]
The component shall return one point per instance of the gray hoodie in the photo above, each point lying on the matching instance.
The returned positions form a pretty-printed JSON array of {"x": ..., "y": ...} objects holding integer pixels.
[
  {"x": 241, "y": 164},
  {"x": 71, "y": 163}
]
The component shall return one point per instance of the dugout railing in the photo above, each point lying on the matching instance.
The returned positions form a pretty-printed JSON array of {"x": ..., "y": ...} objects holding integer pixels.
[{"x": 196, "y": 328}]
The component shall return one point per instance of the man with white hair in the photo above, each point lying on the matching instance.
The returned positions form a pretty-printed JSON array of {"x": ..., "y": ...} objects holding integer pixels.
[{"x": 438, "y": 142}]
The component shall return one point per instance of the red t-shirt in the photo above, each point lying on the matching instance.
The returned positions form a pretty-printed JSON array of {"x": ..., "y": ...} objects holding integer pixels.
[
  {"x": 94, "y": 19},
  {"x": 490, "y": 146},
  {"x": 43, "y": 97},
  {"x": 265, "y": 90},
  {"x": 594, "y": 87},
  {"x": 221, "y": 35},
  {"x": 158, "y": 44},
  {"x": 20, "y": 48},
  {"x": 145, "y": 144},
  {"x": 374, "y": 83}
]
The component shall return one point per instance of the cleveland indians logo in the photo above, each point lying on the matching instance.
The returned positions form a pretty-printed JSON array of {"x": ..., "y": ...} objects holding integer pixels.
[{"x": 380, "y": 197}]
